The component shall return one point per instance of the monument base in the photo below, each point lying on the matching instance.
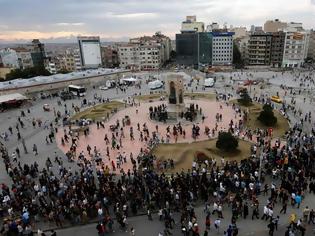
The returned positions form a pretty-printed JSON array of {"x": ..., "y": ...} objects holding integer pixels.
[{"x": 174, "y": 111}]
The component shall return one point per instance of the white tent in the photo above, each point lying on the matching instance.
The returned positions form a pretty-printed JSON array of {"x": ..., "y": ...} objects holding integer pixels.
[{"x": 12, "y": 97}]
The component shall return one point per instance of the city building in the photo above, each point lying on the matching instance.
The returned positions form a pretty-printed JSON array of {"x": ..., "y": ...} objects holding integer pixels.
[
  {"x": 4, "y": 71},
  {"x": 239, "y": 32},
  {"x": 311, "y": 46},
  {"x": 276, "y": 25},
  {"x": 37, "y": 50},
  {"x": 90, "y": 51},
  {"x": 18, "y": 58},
  {"x": 242, "y": 44},
  {"x": 194, "y": 48},
  {"x": 192, "y": 25},
  {"x": 212, "y": 26},
  {"x": 277, "y": 47},
  {"x": 145, "y": 53},
  {"x": 259, "y": 49},
  {"x": 9, "y": 58},
  {"x": 109, "y": 57},
  {"x": 295, "y": 48},
  {"x": 222, "y": 48}
]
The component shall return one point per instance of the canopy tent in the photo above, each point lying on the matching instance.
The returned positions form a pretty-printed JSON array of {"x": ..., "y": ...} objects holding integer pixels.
[{"x": 12, "y": 98}]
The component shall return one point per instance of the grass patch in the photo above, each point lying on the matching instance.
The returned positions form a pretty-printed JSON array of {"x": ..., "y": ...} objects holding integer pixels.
[
  {"x": 208, "y": 96},
  {"x": 254, "y": 110},
  {"x": 98, "y": 112},
  {"x": 183, "y": 154},
  {"x": 149, "y": 96}
]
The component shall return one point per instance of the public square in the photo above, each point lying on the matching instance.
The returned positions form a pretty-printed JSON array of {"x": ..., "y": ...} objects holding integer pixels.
[{"x": 127, "y": 179}]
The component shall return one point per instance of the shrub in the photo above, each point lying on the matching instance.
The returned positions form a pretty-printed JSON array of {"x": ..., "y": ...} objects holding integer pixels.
[
  {"x": 227, "y": 142},
  {"x": 245, "y": 100},
  {"x": 267, "y": 116}
]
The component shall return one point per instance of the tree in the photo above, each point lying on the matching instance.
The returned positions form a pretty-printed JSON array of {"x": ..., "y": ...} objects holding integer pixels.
[
  {"x": 267, "y": 116},
  {"x": 27, "y": 73},
  {"x": 237, "y": 57},
  {"x": 227, "y": 142},
  {"x": 245, "y": 99}
]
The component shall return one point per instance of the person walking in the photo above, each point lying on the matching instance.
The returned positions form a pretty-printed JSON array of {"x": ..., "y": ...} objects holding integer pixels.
[{"x": 35, "y": 149}]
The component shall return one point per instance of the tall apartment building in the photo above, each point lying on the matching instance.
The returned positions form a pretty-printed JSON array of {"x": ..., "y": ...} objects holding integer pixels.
[
  {"x": 295, "y": 48},
  {"x": 259, "y": 49},
  {"x": 277, "y": 48},
  {"x": 192, "y": 25},
  {"x": 145, "y": 53},
  {"x": 109, "y": 57},
  {"x": 242, "y": 44},
  {"x": 222, "y": 48},
  {"x": 276, "y": 25},
  {"x": 37, "y": 50},
  {"x": 90, "y": 51},
  {"x": 311, "y": 46}
]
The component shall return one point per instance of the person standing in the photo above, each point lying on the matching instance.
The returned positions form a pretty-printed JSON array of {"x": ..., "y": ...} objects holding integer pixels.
[{"x": 245, "y": 210}]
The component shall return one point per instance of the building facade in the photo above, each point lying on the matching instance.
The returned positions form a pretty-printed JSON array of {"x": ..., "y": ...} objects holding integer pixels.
[
  {"x": 259, "y": 49},
  {"x": 277, "y": 48},
  {"x": 90, "y": 51},
  {"x": 194, "y": 48},
  {"x": 272, "y": 26},
  {"x": 109, "y": 57},
  {"x": 222, "y": 48},
  {"x": 192, "y": 25},
  {"x": 311, "y": 46},
  {"x": 145, "y": 53},
  {"x": 37, "y": 50},
  {"x": 295, "y": 48}
]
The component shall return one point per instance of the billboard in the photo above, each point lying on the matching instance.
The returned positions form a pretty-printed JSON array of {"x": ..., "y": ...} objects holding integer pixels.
[{"x": 91, "y": 53}]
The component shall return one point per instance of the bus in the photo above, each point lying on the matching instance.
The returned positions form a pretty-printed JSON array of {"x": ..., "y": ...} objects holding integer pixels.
[{"x": 77, "y": 90}]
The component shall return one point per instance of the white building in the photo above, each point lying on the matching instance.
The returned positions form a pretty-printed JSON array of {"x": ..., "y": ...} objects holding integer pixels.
[
  {"x": 192, "y": 25},
  {"x": 212, "y": 26},
  {"x": 90, "y": 51},
  {"x": 51, "y": 67},
  {"x": 222, "y": 48},
  {"x": 295, "y": 46},
  {"x": 9, "y": 58},
  {"x": 239, "y": 32}
]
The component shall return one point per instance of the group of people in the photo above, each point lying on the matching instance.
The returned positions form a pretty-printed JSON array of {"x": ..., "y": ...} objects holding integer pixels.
[{"x": 60, "y": 193}]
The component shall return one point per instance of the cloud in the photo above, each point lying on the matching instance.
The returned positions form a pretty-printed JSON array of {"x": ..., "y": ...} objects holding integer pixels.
[
  {"x": 70, "y": 24},
  {"x": 120, "y": 18}
]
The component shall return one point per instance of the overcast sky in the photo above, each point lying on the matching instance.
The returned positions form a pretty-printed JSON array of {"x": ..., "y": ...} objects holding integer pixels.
[{"x": 63, "y": 20}]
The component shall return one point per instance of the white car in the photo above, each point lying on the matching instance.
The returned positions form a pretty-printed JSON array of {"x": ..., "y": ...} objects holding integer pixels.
[{"x": 103, "y": 88}]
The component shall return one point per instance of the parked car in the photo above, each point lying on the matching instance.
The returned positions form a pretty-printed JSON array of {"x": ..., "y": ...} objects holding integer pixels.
[
  {"x": 64, "y": 95},
  {"x": 276, "y": 99},
  {"x": 103, "y": 87}
]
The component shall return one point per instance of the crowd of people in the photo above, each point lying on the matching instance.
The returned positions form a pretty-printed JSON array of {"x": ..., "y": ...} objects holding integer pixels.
[{"x": 89, "y": 189}]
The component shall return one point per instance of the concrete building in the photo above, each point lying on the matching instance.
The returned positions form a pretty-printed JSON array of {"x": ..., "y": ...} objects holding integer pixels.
[
  {"x": 222, "y": 48},
  {"x": 192, "y": 25},
  {"x": 239, "y": 32},
  {"x": 259, "y": 49},
  {"x": 242, "y": 44},
  {"x": 4, "y": 71},
  {"x": 9, "y": 58},
  {"x": 213, "y": 26},
  {"x": 90, "y": 51},
  {"x": 24, "y": 57},
  {"x": 145, "y": 53},
  {"x": 51, "y": 67},
  {"x": 311, "y": 46},
  {"x": 295, "y": 48},
  {"x": 109, "y": 57},
  {"x": 277, "y": 47},
  {"x": 276, "y": 25}
]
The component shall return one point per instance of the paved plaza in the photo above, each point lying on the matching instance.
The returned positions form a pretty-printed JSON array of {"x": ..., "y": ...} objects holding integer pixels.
[{"x": 295, "y": 89}]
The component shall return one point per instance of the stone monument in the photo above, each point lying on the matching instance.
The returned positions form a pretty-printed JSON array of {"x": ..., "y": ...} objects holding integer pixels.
[{"x": 175, "y": 94}]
